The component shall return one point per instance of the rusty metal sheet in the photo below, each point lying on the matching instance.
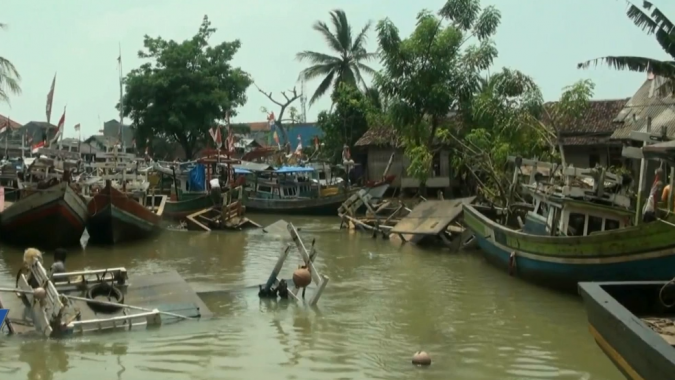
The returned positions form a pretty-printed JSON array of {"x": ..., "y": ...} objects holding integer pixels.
[{"x": 431, "y": 217}]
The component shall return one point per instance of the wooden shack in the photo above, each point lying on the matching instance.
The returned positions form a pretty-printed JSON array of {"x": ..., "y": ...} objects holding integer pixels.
[{"x": 376, "y": 146}]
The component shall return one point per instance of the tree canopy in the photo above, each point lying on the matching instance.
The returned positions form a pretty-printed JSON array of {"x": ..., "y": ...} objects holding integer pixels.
[
  {"x": 347, "y": 122},
  {"x": 348, "y": 64},
  {"x": 9, "y": 77},
  {"x": 187, "y": 88},
  {"x": 663, "y": 30},
  {"x": 432, "y": 72}
]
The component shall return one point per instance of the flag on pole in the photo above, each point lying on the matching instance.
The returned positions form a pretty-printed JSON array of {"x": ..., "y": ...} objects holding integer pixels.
[
  {"x": 36, "y": 147},
  {"x": 298, "y": 150},
  {"x": 77, "y": 127},
  {"x": 270, "y": 118},
  {"x": 4, "y": 127},
  {"x": 276, "y": 139},
  {"x": 59, "y": 127},
  {"x": 215, "y": 135},
  {"x": 50, "y": 99}
]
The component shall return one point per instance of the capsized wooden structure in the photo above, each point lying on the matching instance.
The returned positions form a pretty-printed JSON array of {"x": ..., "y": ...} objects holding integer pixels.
[
  {"x": 307, "y": 257},
  {"x": 431, "y": 221},
  {"x": 161, "y": 298},
  {"x": 229, "y": 216},
  {"x": 380, "y": 217}
]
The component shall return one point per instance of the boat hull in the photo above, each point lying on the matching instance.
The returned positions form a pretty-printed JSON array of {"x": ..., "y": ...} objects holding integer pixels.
[
  {"x": 181, "y": 209},
  {"x": 115, "y": 218},
  {"x": 641, "y": 253},
  {"x": 57, "y": 215},
  {"x": 296, "y": 206},
  {"x": 635, "y": 349}
]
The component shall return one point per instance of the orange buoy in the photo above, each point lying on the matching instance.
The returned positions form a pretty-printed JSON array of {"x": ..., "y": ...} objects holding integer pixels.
[
  {"x": 302, "y": 278},
  {"x": 421, "y": 358}
]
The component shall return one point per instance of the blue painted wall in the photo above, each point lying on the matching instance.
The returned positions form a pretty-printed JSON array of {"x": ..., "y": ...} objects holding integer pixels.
[{"x": 307, "y": 133}]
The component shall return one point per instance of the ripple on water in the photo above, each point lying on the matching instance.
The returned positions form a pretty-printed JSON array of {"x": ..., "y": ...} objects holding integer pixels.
[{"x": 384, "y": 302}]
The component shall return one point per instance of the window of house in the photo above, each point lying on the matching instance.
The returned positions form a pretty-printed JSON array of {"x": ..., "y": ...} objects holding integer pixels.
[
  {"x": 576, "y": 224},
  {"x": 594, "y": 224},
  {"x": 593, "y": 160},
  {"x": 611, "y": 224},
  {"x": 264, "y": 189},
  {"x": 436, "y": 165}
]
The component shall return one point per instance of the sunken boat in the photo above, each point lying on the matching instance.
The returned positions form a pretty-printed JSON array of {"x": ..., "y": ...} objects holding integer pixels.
[
  {"x": 634, "y": 325},
  {"x": 116, "y": 217}
]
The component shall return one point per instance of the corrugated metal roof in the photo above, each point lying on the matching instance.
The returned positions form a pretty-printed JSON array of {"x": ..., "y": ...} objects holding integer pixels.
[{"x": 645, "y": 104}]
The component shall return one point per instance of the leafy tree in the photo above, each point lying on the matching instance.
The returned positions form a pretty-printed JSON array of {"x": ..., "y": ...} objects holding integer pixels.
[
  {"x": 509, "y": 117},
  {"x": 347, "y": 122},
  {"x": 663, "y": 29},
  {"x": 9, "y": 77},
  {"x": 189, "y": 87},
  {"x": 347, "y": 65},
  {"x": 432, "y": 72}
]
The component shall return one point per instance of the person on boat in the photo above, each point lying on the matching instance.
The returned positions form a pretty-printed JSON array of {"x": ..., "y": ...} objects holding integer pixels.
[{"x": 59, "y": 265}]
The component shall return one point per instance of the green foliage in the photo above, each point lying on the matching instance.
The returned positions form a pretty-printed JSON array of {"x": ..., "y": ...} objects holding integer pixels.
[
  {"x": 661, "y": 27},
  {"x": 509, "y": 118},
  {"x": 189, "y": 86},
  {"x": 9, "y": 77},
  {"x": 432, "y": 72},
  {"x": 348, "y": 63},
  {"x": 347, "y": 122}
]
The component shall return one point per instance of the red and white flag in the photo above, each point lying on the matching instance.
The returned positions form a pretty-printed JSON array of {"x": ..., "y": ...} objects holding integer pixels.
[
  {"x": 298, "y": 150},
  {"x": 59, "y": 127},
  {"x": 50, "y": 99},
  {"x": 215, "y": 135},
  {"x": 35, "y": 148},
  {"x": 270, "y": 118}
]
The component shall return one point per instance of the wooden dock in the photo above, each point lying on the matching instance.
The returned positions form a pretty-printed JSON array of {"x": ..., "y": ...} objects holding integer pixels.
[{"x": 432, "y": 219}]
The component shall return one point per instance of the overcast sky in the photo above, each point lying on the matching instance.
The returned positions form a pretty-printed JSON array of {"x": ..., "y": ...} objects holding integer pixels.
[{"x": 79, "y": 40}]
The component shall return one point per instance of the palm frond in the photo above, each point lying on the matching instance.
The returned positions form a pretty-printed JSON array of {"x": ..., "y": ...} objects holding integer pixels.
[
  {"x": 364, "y": 56},
  {"x": 317, "y": 71},
  {"x": 636, "y": 64},
  {"x": 343, "y": 31},
  {"x": 361, "y": 39},
  {"x": 641, "y": 19},
  {"x": 323, "y": 87},
  {"x": 330, "y": 38},
  {"x": 317, "y": 58},
  {"x": 365, "y": 68}
]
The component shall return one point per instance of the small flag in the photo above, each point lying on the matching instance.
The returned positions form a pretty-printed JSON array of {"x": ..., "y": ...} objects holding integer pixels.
[
  {"x": 298, "y": 150},
  {"x": 35, "y": 148},
  {"x": 276, "y": 139},
  {"x": 50, "y": 99},
  {"x": 101, "y": 131},
  {"x": 270, "y": 118},
  {"x": 59, "y": 127},
  {"x": 4, "y": 127},
  {"x": 77, "y": 127}
]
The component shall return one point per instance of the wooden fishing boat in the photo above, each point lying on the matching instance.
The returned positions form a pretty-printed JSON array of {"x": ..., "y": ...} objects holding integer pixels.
[
  {"x": 115, "y": 217},
  {"x": 297, "y": 206},
  {"x": 57, "y": 214},
  {"x": 634, "y": 325}
]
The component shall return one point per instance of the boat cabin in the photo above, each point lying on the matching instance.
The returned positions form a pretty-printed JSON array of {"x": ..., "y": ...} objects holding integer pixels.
[
  {"x": 287, "y": 182},
  {"x": 568, "y": 217}
]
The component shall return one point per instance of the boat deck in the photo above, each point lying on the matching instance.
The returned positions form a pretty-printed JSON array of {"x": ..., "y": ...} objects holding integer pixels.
[{"x": 166, "y": 291}]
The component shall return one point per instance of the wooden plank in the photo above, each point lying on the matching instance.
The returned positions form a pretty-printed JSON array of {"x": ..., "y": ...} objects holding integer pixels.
[{"x": 431, "y": 217}]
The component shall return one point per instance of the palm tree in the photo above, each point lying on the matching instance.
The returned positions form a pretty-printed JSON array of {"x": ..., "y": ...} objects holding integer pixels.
[
  {"x": 659, "y": 25},
  {"x": 9, "y": 77},
  {"x": 347, "y": 65}
]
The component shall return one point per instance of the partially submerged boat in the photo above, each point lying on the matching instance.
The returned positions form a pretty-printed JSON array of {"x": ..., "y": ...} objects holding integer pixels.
[
  {"x": 62, "y": 310},
  {"x": 634, "y": 325},
  {"x": 115, "y": 216},
  {"x": 577, "y": 235}
]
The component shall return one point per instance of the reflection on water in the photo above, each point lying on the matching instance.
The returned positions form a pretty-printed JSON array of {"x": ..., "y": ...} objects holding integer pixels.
[{"x": 384, "y": 302}]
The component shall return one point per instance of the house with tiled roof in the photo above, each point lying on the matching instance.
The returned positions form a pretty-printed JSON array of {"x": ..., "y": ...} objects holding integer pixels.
[
  {"x": 375, "y": 147},
  {"x": 586, "y": 141}
]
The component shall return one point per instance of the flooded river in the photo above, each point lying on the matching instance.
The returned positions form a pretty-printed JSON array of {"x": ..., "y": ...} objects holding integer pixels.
[{"x": 384, "y": 302}]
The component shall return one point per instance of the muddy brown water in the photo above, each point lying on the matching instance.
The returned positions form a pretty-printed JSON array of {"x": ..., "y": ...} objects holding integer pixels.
[{"x": 384, "y": 302}]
